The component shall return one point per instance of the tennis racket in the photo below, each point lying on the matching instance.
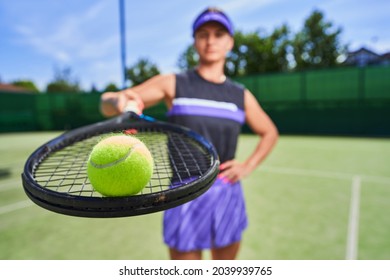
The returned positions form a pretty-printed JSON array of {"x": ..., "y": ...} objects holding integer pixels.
[{"x": 55, "y": 177}]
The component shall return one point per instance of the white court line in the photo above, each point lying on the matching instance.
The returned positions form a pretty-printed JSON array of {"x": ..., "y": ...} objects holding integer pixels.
[
  {"x": 353, "y": 223},
  {"x": 15, "y": 206}
]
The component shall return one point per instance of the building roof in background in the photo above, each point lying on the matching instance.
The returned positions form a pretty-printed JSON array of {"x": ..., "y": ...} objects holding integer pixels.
[
  {"x": 364, "y": 56},
  {"x": 13, "y": 88}
]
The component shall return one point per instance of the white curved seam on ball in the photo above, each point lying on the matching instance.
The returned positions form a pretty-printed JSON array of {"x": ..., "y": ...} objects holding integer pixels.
[{"x": 117, "y": 161}]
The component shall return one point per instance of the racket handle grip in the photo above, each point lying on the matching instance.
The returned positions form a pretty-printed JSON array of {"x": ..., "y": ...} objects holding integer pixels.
[{"x": 133, "y": 106}]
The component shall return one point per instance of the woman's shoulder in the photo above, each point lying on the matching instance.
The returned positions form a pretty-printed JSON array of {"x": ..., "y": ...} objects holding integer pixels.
[
  {"x": 235, "y": 84},
  {"x": 187, "y": 74}
]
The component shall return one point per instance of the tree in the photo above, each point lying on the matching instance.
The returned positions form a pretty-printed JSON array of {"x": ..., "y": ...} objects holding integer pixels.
[
  {"x": 26, "y": 84},
  {"x": 244, "y": 47},
  {"x": 257, "y": 52},
  {"x": 252, "y": 53},
  {"x": 141, "y": 71},
  {"x": 111, "y": 87},
  {"x": 63, "y": 81},
  {"x": 94, "y": 89},
  {"x": 277, "y": 48},
  {"x": 188, "y": 59},
  {"x": 317, "y": 45}
]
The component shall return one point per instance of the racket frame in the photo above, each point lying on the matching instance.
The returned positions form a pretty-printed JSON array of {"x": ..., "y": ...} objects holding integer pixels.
[{"x": 105, "y": 207}]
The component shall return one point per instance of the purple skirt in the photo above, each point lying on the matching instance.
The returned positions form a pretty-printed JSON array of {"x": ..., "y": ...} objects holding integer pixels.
[{"x": 215, "y": 219}]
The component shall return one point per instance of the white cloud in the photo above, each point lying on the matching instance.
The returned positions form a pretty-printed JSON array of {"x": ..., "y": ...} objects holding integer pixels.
[
  {"x": 84, "y": 35},
  {"x": 69, "y": 38}
]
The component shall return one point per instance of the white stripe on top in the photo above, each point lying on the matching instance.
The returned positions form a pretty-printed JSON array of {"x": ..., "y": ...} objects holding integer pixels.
[{"x": 183, "y": 101}]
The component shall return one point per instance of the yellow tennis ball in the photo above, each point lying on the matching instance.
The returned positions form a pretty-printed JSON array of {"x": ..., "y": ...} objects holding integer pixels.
[{"x": 119, "y": 165}]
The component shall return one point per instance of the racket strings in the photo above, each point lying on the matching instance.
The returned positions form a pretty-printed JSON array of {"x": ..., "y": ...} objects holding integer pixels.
[
  {"x": 156, "y": 143},
  {"x": 80, "y": 185},
  {"x": 64, "y": 170},
  {"x": 192, "y": 159},
  {"x": 178, "y": 160},
  {"x": 184, "y": 161}
]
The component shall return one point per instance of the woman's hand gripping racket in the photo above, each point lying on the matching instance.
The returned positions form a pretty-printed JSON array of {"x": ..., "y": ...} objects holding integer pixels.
[{"x": 185, "y": 166}]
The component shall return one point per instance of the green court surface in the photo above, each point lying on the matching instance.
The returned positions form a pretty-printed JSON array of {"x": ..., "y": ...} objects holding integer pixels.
[{"x": 314, "y": 198}]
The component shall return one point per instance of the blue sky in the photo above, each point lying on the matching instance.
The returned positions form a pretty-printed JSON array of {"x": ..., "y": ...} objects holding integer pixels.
[{"x": 38, "y": 36}]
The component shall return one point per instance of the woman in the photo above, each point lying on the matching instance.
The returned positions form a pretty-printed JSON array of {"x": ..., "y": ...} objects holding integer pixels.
[{"x": 204, "y": 100}]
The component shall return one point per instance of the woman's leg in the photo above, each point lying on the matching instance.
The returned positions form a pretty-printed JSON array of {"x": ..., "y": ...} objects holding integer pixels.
[
  {"x": 226, "y": 253},
  {"x": 192, "y": 255}
]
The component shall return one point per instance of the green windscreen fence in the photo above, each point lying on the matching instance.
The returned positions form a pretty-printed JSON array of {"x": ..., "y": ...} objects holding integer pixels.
[
  {"x": 277, "y": 87},
  {"x": 337, "y": 84},
  {"x": 348, "y": 101},
  {"x": 17, "y": 112},
  {"x": 340, "y": 101},
  {"x": 44, "y": 111},
  {"x": 377, "y": 83}
]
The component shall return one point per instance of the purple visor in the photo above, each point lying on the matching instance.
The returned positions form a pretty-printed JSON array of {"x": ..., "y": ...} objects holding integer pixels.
[{"x": 213, "y": 16}]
